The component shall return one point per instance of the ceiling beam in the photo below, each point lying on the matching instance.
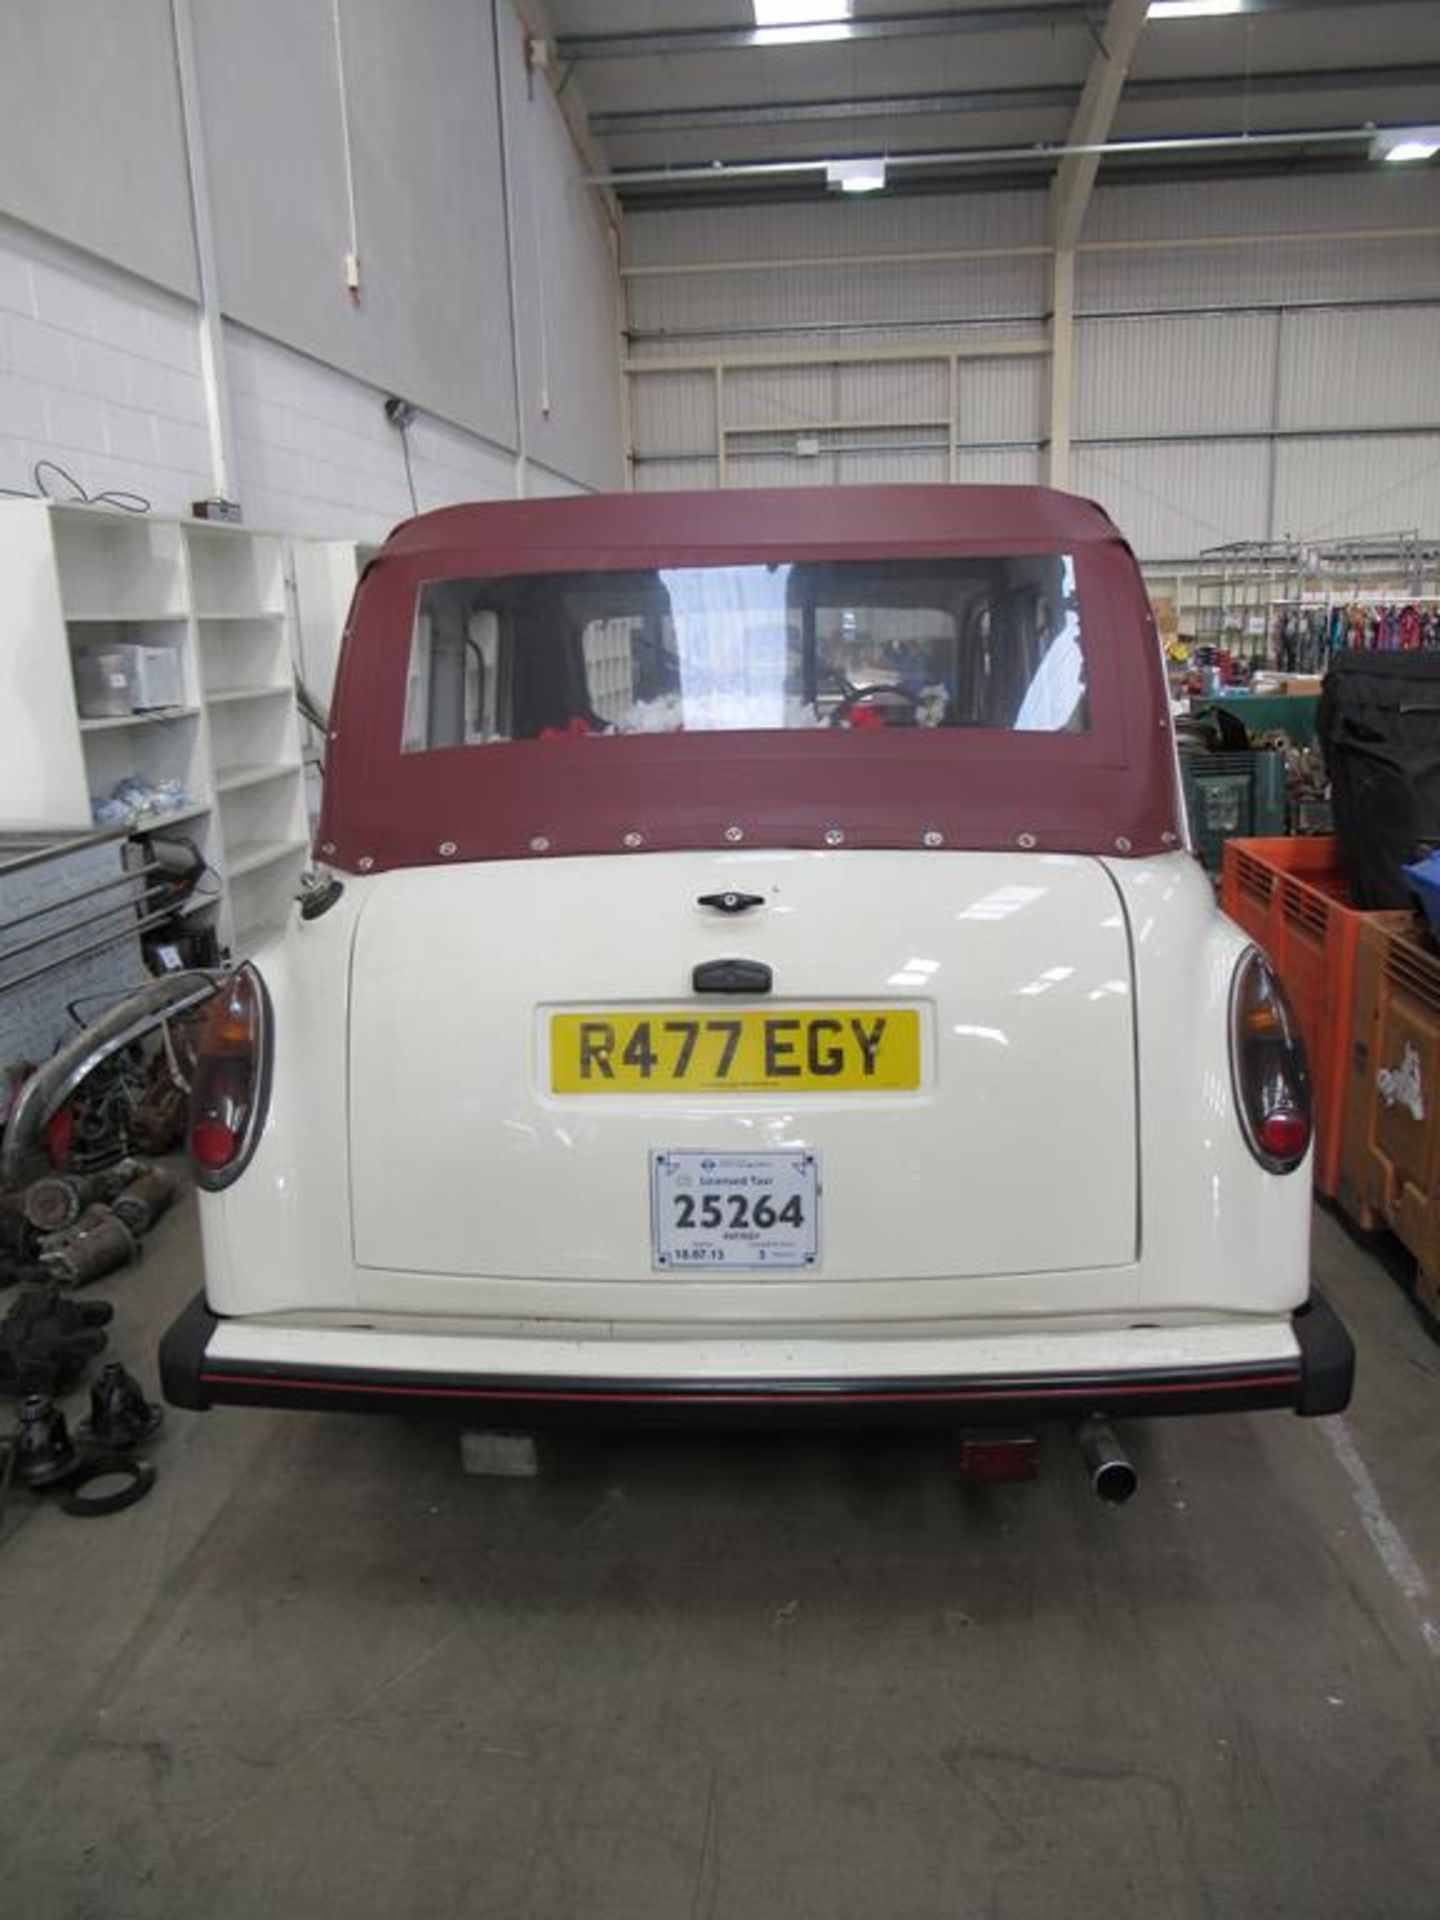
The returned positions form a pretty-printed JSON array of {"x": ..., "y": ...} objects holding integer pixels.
[
  {"x": 1218, "y": 86},
  {"x": 1069, "y": 198},
  {"x": 1081, "y": 15},
  {"x": 1090, "y": 129}
]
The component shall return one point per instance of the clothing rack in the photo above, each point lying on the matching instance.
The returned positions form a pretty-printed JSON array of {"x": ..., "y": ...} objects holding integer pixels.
[{"x": 1306, "y": 634}]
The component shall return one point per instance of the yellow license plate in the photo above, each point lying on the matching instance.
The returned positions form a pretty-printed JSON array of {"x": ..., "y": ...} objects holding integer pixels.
[{"x": 789, "y": 1050}]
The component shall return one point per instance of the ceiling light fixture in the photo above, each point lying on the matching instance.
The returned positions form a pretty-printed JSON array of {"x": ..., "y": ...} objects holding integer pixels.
[
  {"x": 1406, "y": 143},
  {"x": 855, "y": 176},
  {"x": 787, "y": 23},
  {"x": 1192, "y": 9}
]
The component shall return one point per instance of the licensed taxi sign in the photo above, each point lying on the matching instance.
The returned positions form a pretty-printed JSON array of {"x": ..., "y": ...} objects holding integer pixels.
[{"x": 782, "y": 1050}]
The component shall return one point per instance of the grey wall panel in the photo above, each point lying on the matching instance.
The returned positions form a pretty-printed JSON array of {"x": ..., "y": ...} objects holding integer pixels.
[
  {"x": 838, "y": 226},
  {"x": 1361, "y": 369},
  {"x": 92, "y": 144},
  {"x": 780, "y": 397},
  {"x": 1372, "y": 485},
  {"x": 567, "y": 289},
  {"x": 942, "y": 296},
  {"x": 678, "y": 476},
  {"x": 1170, "y": 501},
  {"x": 757, "y": 470},
  {"x": 888, "y": 469},
  {"x": 673, "y": 412},
  {"x": 1210, "y": 373},
  {"x": 997, "y": 468},
  {"x": 1001, "y": 399},
  {"x": 433, "y": 320},
  {"x": 1285, "y": 273},
  {"x": 1179, "y": 210}
]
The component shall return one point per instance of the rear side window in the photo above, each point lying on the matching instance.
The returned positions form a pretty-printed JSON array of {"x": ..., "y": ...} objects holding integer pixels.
[{"x": 911, "y": 644}]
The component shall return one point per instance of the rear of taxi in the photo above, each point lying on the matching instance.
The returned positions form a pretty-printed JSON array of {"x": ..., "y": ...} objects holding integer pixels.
[{"x": 761, "y": 977}]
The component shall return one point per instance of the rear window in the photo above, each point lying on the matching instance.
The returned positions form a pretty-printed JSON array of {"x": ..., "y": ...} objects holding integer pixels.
[{"x": 908, "y": 644}]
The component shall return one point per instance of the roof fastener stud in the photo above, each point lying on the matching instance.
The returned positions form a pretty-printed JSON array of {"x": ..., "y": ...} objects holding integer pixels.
[
  {"x": 733, "y": 834},
  {"x": 1122, "y": 845},
  {"x": 932, "y": 837},
  {"x": 447, "y": 847},
  {"x": 834, "y": 837},
  {"x": 539, "y": 844},
  {"x": 1168, "y": 839},
  {"x": 365, "y": 863},
  {"x": 329, "y": 847},
  {"x": 634, "y": 839},
  {"x": 1026, "y": 840}
]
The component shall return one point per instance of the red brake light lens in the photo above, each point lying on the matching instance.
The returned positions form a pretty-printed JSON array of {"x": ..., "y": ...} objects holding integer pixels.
[
  {"x": 231, "y": 1085},
  {"x": 1268, "y": 1067}
]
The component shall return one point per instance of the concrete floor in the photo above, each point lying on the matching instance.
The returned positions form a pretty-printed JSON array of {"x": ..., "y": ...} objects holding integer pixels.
[{"x": 321, "y": 1673}]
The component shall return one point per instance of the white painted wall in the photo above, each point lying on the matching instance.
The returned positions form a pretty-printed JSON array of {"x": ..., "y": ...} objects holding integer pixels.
[
  {"x": 100, "y": 365},
  {"x": 1287, "y": 382}
]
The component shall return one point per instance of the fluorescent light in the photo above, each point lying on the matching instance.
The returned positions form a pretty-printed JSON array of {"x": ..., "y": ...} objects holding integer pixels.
[
  {"x": 855, "y": 176},
  {"x": 1192, "y": 9},
  {"x": 1406, "y": 143},
  {"x": 782, "y": 23}
]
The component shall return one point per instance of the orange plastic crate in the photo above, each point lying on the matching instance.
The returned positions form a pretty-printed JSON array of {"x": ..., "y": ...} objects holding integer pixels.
[{"x": 1290, "y": 896}]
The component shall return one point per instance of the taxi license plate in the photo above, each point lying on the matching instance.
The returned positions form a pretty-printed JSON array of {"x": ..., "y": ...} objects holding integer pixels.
[
  {"x": 784, "y": 1050},
  {"x": 755, "y": 1211}
]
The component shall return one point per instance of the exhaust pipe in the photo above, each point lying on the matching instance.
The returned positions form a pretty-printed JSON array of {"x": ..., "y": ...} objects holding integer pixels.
[{"x": 1112, "y": 1473}]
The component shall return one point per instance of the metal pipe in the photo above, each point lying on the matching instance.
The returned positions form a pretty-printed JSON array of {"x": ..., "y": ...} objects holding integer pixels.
[
  {"x": 1112, "y": 1473},
  {"x": 214, "y": 370},
  {"x": 958, "y": 256},
  {"x": 1084, "y": 16},
  {"x": 843, "y": 356},
  {"x": 74, "y": 899},
  {"x": 1089, "y": 316},
  {"x": 1064, "y": 98},
  {"x": 507, "y": 208},
  {"x": 987, "y": 156},
  {"x": 88, "y": 952},
  {"x": 74, "y": 926}
]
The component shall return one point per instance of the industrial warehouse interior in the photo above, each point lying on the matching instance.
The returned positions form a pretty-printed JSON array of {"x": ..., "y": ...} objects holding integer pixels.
[{"x": 720, "y": 959}]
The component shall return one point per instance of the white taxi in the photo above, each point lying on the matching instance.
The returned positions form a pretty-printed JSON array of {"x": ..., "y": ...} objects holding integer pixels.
[{"x": 754, "y": 968}]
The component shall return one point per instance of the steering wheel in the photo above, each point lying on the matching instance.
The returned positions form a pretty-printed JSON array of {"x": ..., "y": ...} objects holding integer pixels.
[{"x": 867, "y": 696}]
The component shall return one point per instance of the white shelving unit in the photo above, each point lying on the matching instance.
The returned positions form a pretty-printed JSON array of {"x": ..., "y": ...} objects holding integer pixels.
[{"x": 76, "y": 578}]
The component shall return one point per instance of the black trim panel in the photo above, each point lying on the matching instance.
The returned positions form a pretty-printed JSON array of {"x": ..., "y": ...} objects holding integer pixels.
[{"x": 1318, "y": 1381}]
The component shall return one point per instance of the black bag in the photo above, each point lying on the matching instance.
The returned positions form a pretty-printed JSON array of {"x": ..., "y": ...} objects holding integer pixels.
[{"x": 1379, "y": 728}]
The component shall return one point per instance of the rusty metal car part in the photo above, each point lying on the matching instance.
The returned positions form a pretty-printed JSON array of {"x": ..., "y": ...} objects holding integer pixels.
[
  {"x": 97, "y": 1244},
  {"x": 142, "y": 1203},
  {"x": 137, "y": 1475},
  {"x": 47, "y": 1341},
  {"x": 58, "y": 1200},
  {"x": 46, "y": 1091},
  {"x": 120, "y": 1416},
  {"x": 44, "y": 1451}
]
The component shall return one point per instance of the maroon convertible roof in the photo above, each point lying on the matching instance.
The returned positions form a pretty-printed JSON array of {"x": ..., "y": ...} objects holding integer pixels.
[
  {"x": 1110, "y": 790},
  {"x": 539, "y": 536}
]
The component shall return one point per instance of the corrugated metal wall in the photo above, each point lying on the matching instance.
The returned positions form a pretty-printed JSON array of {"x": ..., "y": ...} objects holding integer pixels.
[{"x": 1288, "y": 383}]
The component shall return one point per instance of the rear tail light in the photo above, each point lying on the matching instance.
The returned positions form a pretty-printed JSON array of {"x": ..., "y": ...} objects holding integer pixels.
[
  {"x": 1267, "y": 1058},
  {"x": 232, "y": 1080}
]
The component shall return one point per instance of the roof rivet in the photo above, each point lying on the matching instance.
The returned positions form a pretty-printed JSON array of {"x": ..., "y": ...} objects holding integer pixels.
[
  {"x": 834, "y": 837},
  {"x": 1026, "y": 840},
  {"x": 1122, "y": 845},
  {"x": 1168, "y": 839},
  {"x": 539, "y": 844},
  {"x": 633, "y": 839},
  {"x": 734, "y": 833},
  {"x": 365, "y": 863},
  {"x": 329, "y": 847},
  {"x": 932, "y": 837},
  {"x": 447, "y": 847}
]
